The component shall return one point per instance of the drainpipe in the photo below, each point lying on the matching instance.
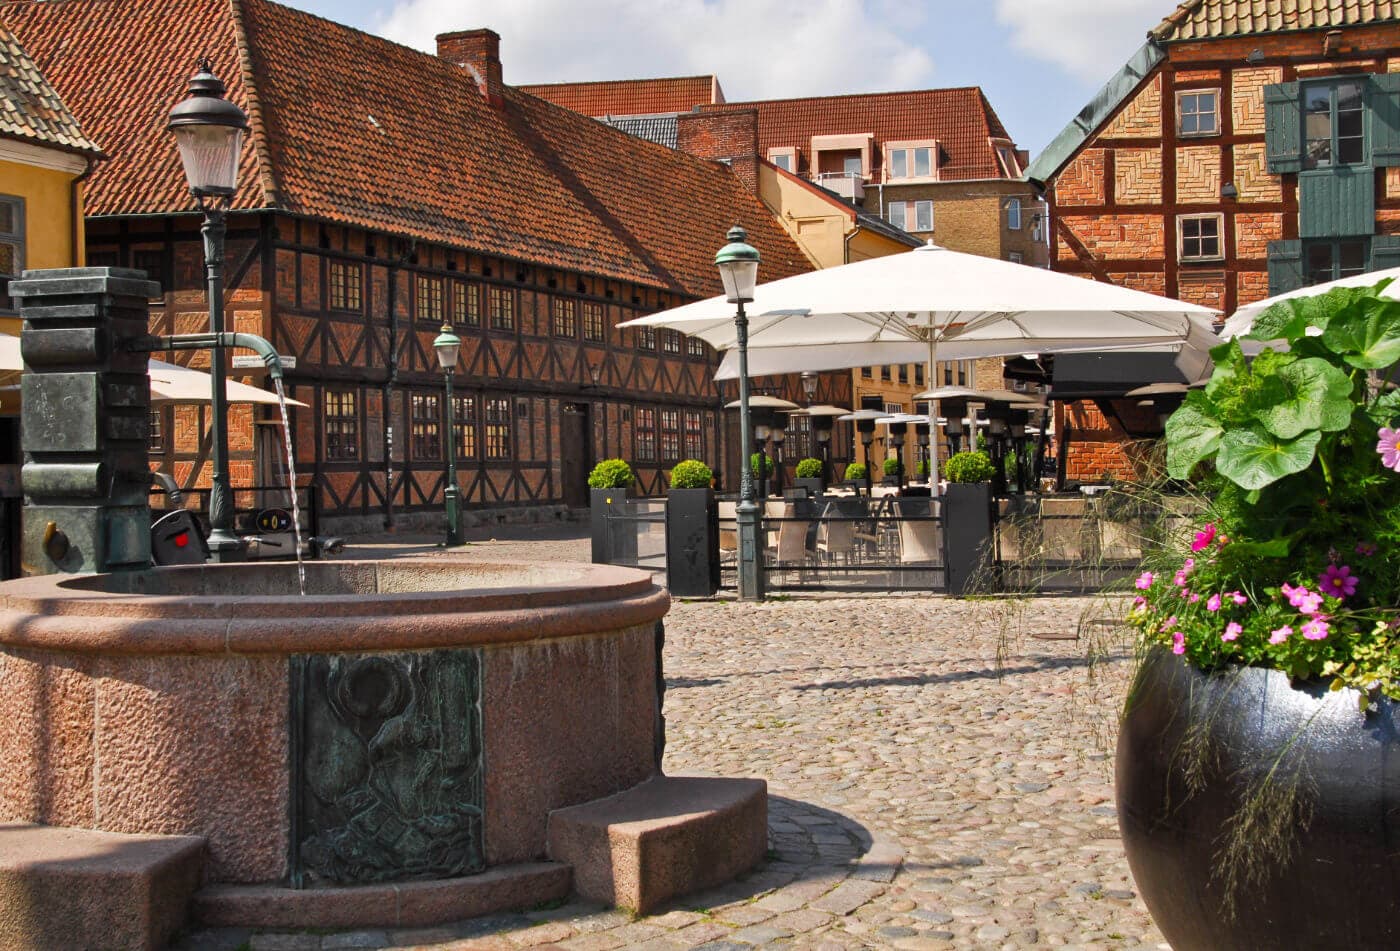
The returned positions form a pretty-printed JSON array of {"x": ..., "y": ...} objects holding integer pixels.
[
  {"x": 391, "y": 382},
  {"x": 846, "y": 251},
  {"x": 75, "y": 207}
]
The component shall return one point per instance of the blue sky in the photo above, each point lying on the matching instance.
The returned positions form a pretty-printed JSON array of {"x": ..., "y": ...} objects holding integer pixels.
[{"x": 1039, "y": 61}]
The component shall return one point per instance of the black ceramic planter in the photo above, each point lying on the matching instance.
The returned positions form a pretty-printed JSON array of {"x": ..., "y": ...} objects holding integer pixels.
[
  {"x": 814, "y": 487},
  {"x": 1331, "y": 879}
]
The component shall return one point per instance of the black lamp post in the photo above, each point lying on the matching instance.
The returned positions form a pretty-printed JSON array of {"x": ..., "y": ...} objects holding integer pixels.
[
  {"x": 738, "y": 269},
  {"x": 447, "y": 346},
  {"x": 209, "y": 134}
]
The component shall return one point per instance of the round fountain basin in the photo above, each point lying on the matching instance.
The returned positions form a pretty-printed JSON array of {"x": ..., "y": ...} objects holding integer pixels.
[{"x": 404, "y": 720}]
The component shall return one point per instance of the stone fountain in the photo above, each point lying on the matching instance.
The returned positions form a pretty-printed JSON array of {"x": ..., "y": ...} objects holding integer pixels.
[{"x": 411, "y": 742}]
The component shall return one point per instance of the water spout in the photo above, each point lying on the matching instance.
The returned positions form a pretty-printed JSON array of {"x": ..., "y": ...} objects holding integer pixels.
[{"x": 206, "y": 341}]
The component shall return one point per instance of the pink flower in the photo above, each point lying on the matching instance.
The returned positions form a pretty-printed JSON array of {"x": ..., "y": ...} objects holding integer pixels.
[
  {"x": 1188, "y": 564},
  {"x": 1338, "y": 582},
  {"x": 1213, "y": 603},
  {"x": 1280, "y": 634},
  {"x": 1144, "y": 581},
  {"x": 1238, "y": 598},
  {"x": 1194, "y": 597},
  {"x": 1178, "y": 643},
  {"x": 1180, "y": 579},
  {"x": 1232, "y": 631},
  {"x": 1389, "y": 447},
  {"x": 1301, "y": 598},
  {"x": 1204, "y": 538},
  {"x": 1169, "y": 623},
  {"x": 1184, "y": 593},
  {"x": 1365, "y": 549},
  {"x": 1139, "y": 603},
  {"x": 1316, "y": 628}
]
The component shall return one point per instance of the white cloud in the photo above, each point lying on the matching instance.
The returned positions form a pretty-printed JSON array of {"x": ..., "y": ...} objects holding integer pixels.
[
  {"x": 758, "y": 48},
  {"x": 1089, "y": 39}
]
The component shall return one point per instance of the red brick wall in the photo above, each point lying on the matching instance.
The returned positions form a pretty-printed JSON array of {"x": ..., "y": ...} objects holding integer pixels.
[{"x": 730, "y": 135}]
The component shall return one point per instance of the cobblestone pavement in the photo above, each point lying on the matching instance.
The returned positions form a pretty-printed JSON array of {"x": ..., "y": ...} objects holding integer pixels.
[{"x": 940, "y": 776}]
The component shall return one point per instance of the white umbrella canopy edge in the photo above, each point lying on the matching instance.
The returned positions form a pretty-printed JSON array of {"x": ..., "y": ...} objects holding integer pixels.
[
  {"x": 170, "y": 382},
  {"x": 1242, "y": 320}
]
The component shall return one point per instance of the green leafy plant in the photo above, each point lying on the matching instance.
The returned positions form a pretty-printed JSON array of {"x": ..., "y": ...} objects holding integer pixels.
[
  {"x": 855, "y": 472},
  {"x": 691, "y": 474},
  {"x": 611, "y": 474},
  {"x": 891, "y": 467},
  {"x": 1297, "y": 566},
  {"x": 969, "y": 467},
  {"x": 809, "y": 469},
  {"x": 760, "y": 465}
]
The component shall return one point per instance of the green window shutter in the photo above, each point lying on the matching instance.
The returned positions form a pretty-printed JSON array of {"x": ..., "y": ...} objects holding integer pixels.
[
  {"x": 1383, "y": 98},
  {"x": 1285, "y": 266},
  {"x": 1337, "y": 202},
  {"x": 1385, "y": 252},
  {"x": 1283, "y": 133}
]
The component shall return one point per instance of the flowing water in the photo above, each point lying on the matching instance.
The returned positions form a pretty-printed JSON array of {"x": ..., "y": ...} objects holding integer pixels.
[{"x": 292, "y": 483}]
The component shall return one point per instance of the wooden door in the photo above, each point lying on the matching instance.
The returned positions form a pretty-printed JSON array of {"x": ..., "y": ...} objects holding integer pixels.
[{"x": 575, "y": 453}]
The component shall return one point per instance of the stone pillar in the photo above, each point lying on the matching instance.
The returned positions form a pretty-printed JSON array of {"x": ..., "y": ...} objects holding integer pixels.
[{"x": 85, "y": 420}]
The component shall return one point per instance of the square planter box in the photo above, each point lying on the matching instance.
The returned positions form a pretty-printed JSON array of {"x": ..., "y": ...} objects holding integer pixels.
[
  {"x": 692, "y": 543},
  {"x": 610, "y": 546},
  {"x": 967, "y": 536}
]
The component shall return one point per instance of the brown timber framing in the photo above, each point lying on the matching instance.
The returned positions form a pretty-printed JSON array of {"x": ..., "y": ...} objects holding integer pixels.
[
  {"x": 1366, "y": 50},
  {"x": 382, "y": 354}
]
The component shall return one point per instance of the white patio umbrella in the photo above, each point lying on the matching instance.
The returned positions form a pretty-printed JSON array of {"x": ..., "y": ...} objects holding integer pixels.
[
  {"x": 1243, "y": 319},
  {"x": 941, "y": 299},
  {"x": 170, "y": 383}
]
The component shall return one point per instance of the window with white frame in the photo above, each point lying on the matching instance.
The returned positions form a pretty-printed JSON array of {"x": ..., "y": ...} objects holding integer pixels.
[
  {"x": 915, "y": 161},
  {"x": 1013, "y": 214},
  {"x": 1199, "y": 237},
  {"x": 1198, "y": 112},
  {"x": 911, "y": 216},
  {"x": 785, "y": 159},
  {"x": 1006, "y": 155}
]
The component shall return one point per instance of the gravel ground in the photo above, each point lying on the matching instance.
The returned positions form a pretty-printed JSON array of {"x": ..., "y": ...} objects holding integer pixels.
[{"x": 940, "y": 777}]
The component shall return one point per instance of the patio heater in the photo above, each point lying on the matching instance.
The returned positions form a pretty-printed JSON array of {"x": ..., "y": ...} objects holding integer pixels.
[
  {"x": 921, "y": 435},
  {"x": 953, "y": 413},
  {"x": 762, "y": 430},
  {"x": 779, "y": 436},
  {"x": 898, "y": 432},
  {"x": 209, "y": 132},
  {"x": 1019, "y": 420},
  {"x": 996, "y": 444},
  {"x": 738, "y": 269}
]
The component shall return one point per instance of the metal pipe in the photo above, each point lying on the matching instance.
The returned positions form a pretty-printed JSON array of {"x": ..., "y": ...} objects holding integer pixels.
[{"x": 209, "y": 341}]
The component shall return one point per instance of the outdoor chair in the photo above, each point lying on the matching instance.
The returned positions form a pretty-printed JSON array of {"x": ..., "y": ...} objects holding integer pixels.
[
  {"x": 836, "y": 536},
  {"x": 920, "y": 542},
  {"x": 728, "y": 531}
]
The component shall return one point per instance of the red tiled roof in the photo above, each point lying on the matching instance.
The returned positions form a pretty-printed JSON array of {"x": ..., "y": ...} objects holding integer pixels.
[
  {"x": 960, "y": 119},
  {"x": 30, "y": 110},
  {"x": 1205, "y": 19},
  {"x": 631, "y": 97},
  {"x": 350, "y": 128}
]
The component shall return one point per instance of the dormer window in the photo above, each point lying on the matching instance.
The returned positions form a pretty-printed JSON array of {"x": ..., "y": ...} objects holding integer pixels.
[
  {"x": 785, "y": 159},
  {"x": 911, "y": 160}
]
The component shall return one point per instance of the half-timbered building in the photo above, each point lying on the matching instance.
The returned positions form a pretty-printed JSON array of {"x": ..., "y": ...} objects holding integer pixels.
[
  {"x": 383, "y": 192},
  {"x": 1248, "y": 148}
]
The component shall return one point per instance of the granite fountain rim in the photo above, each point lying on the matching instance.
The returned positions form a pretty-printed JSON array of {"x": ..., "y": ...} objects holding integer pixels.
[{"x": 58, "y": 612}]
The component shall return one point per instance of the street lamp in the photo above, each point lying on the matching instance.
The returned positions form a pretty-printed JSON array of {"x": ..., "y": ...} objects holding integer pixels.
[
  {"x": 738, "y": 269},
  {"x": 208, "y": 132},
  {"x": 447, "y": 346}
]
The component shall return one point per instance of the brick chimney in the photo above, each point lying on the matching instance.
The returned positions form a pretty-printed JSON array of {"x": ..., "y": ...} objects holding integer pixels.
[
  {"x": 479, "y": 53},
  {"x": 729, "y": 136}
]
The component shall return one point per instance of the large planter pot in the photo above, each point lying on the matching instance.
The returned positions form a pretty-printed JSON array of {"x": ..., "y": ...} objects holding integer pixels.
[
  {"x": 612, "y": 542},
  {"x": 967, "y": 535},
  {"x": 1197, "y": 751},
  {"x": 814, "y": 487},
  {"x": 692, "y": 543}
]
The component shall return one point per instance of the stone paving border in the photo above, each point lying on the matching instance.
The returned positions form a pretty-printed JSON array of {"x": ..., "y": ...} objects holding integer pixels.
[{"x": 821, "y": 866}]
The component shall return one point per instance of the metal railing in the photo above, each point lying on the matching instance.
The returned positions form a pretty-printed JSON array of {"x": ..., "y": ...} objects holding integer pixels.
[
  {"x": 854, "y": 544},
  {"x": 637, "y": 534}
]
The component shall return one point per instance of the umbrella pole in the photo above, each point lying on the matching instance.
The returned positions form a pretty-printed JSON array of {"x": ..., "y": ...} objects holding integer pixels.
[{"x": 933, "y": 417}]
